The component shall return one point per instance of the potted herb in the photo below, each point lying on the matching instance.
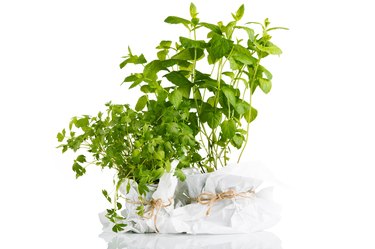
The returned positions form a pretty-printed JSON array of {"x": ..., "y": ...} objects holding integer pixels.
[{"x": 196, "y": 106}]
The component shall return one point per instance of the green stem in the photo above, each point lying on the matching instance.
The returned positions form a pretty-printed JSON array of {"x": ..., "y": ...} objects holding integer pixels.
[{"x": 250, "y": 102}]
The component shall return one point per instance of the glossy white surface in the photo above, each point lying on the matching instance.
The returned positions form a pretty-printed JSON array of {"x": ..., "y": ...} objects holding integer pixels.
[{"x": 261, "y": 240}]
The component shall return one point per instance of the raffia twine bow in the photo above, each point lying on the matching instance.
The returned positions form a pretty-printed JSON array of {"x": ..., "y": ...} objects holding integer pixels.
[
  {"x": 210, "y": 199},
  {"x": 154, "y": 206}
]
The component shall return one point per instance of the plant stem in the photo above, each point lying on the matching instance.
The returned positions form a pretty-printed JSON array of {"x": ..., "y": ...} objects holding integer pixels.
[{"x": 250, "y": 102}]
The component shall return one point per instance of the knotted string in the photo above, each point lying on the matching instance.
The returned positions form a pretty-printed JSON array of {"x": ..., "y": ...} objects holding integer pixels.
[
  {"x": 154, "y": 208},
  {"x": 210, "y": 199}
]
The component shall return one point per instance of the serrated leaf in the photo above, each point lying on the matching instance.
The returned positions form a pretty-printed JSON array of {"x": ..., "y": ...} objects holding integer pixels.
[
  {"x": 178, "y": 78},
  {"x": 189, "y": 43},
  {"x": 237, "y": 141},
  {"x": 189, "y": 54},
  {"x": 151, "y": 69},
  {"x": 141, "y": 103},
  {"x": 270, "y": 48},
  {"x": 265, "y": 85},
  {"x": 243, "y": 55},
  {"x": 228, "y": 129},
  {"x": 214, "y": 119},
  {"x": 216, "y": 29},
  {"x": 230, "y": 94},
  {"x": 219, "y": 47},
  {"x": 175, "y": 98}
]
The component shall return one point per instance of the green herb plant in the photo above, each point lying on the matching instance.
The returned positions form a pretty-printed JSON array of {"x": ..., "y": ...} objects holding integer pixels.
[{"x": 196, "y": 105}]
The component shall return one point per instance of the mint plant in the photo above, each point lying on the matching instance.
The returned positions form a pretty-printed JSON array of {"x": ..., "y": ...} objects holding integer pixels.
[
  {"x": 218, "y": 101},
  {"x": 196, "y": 106}
]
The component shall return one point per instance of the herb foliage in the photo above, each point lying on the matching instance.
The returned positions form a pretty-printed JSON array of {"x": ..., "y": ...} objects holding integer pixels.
[{"x": 196, "y": 105}]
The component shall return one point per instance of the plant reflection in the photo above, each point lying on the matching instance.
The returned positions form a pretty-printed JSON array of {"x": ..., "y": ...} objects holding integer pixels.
[{"x": 260, "y": 240}]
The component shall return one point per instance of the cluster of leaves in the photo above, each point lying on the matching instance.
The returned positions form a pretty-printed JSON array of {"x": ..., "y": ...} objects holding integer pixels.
[
  {"x": 196, "y": 105},
  {"x": 219, "y": 102},
  {"x": 138, "y": 145}
]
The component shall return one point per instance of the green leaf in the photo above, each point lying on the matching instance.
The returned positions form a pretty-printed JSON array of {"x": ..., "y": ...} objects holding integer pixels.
[
  {"x": 164, "y": 44},
  {"x": 180, "y": 175},
  {"x": 250, "y": 32},
  {"x": 185, "y": 91},
  {"x": 128, "y": 186},
  {"x": 61, "y": 135},
  {"x": 243, "y": 55},
  {"x": 270, "y": 48},
  {"x": 134, "y": 59},
  {"x": 175, "y": 97},
  {"x": 230, "y": 94},
  {"x": 251, "y": 114},
  {"x": 219, "y": 47},
  {"x": 178, "y": 78},
  {"x": 228, "y": 129},
  {"x": 267, "y": 73},
  {"x": 158, "y": 173},
  {"x": 162, "y": 54},
  {"x": 167, "y": 165},
  {"x": 160, "y": 155},
  {"x": 265, "y": 85},
  {"x": 189, "y": 54},
  {"x": 237, "y": 141},
  {"x": 118, "y": 227},
  {"x": 82, "y": 122},
  {"x": 239, "y": 14},
  {"x": 78, "y": 169},
  {"x": 189, "y": 43},
  {"x": 105, "y": 193},
  {"x": 81, "y": 159},
  {"x": 177, "y": 20},
  {"x": 141, "y": 103},
  {"x": 216, "y": 29},
  {"x": 151, "y": 69},
  {"x": 242, "y": 107},
  {"x": 214, "y": 119},
  {"x": 193, "y": 11}
]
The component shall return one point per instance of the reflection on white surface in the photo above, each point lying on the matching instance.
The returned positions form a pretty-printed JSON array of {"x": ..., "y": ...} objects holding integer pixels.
[{"x": 260, "y": 240}]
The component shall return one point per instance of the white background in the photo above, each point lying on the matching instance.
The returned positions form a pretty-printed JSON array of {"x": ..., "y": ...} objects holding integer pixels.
[{"x": 315, "y": 130}]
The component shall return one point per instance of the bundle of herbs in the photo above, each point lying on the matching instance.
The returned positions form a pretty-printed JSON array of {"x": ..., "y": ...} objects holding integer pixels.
[{"x": 196, "y": 106}]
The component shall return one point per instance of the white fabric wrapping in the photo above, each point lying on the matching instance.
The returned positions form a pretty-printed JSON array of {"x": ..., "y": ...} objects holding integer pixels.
[{"x": 227, "y": 216}]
